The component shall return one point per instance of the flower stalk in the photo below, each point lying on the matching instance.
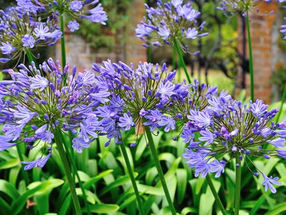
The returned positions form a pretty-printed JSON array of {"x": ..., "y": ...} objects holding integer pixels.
[
  {"x": 29, "y": 56},
  {"x": 250, "y": 58},
  {"x": 181, "y": 59},
  {"x": 132, "y": 178},
  {"x": 215, "y": 194},
  {"x": 71, "y": 156},
  {"x": 159, "y": 169},
  {"x": 67, "y": 170},
  {"x": 63, "y": 42},
  {"x": 237, "y": 184}
]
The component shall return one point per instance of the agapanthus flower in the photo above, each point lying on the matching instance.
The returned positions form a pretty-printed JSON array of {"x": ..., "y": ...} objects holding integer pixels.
[
  {"x": 192, "y": 97},
  {"x": 168, "y": 22},
  {"x": 238, "y": 6},
  {"x": 226, "y": 130},
  {"x": 139, "y": 97},
  {"x": 38, "y": 102},
  {"x": 75, "y": 10},
  {"x": 20, "y": 33}
]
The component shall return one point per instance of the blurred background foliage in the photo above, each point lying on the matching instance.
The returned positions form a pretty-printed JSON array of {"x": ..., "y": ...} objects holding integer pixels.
[{"x": 114, "y": 32}]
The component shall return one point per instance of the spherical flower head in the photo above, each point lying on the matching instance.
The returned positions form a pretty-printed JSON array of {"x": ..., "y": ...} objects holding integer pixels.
[
  {"x": 20, "y": 33},
  {"x": 191, "y": 98},
  {"x": 37, "y": 102},
  {"x": 168, "y": 22},
  {"x": 237, "y": 6},
  {"x": 139, "y": 97},
  {"x": 75, "y": 10},
  {"x": 227, "y": 127}
]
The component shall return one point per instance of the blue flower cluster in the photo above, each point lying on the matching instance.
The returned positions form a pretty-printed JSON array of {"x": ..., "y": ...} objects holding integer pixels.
[
  {"x": 20, "y": 32},
  {"x": 36, "y": 102},
  {"x": 226, "y": 130},
  {"x": 139, "y": 97},
  {"x": 76, "y": 10},
  {"x": 169, "y": 21}
]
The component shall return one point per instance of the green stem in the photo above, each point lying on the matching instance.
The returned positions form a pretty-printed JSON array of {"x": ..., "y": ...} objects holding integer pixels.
[
  {"x": 237, "y": 185},
  {"x": 131, "y": 175},
  {"x": 159, "y": 169},
  {"x": 250, "y": 58},
  {"x": 174, "y": 59},
  {"x": 71, "y": 156},
  {"x": 181, "y": 59},
  {"x": 282, "y": 104},
  {"x": 67, "y": 170},
  {"x": 63, "y": 42},
  {"x": 30, "y": 56},
  {"x": 216, "y": 196}
]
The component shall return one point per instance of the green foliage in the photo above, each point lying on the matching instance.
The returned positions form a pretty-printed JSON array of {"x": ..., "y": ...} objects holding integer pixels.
[
  {"x": 104, "y": 176},
  {"x": 107, "y": 36}
]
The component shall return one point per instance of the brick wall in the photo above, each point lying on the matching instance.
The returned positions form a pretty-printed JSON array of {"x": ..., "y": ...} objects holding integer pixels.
[
  {"x": 266, "y": 53},
  {"x": 80, "y": 53}
]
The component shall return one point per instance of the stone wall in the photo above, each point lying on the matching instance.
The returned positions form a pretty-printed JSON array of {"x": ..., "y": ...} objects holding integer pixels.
[{"x": 80, "y": 52}]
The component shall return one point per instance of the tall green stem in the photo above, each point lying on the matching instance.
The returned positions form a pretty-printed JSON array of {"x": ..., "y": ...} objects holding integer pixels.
[
  {"x": 67, "y": 170},
  {"x": 250, "y": 58},
  {"x": 71, "y": 156},
  {"x": 174, "y": 60},
  {"x": 63, "y": 42},
  {"x": 181, "y": 59},
  {"x": 237, "y": 185},
  {"x": 282, "y": 104},
  {"x": 132, "y": 178},
  {"x": 159, "y": 169},
  {"x": 30, "y": 56},
  {"x": 216, "y": 196}
]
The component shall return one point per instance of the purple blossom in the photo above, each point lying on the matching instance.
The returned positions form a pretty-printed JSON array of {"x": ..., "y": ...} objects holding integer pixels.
[
  {"x": 79, "y": 144},
  {"x": 168, "y": 22},
  {"x": 191, "y": 33},
  {"x": 7, "y": 48},
  {"x": 73, "y": 26},
  {"x": 138, "y": 95},
  {"x": 207, "y": 137},
  {"x": 42, "y": 101},
  {"x": 167, "y": 122},
  {"x": 39, "y": 82},
  {"x": 28, "y": 41},
  {"x": 5, "y": 143},
  {"x": 201, "y": 119},
  {"x": 164, "y": 32},
  {"x": 36, "y": 33},
  {"x": 269, "y": 181},
  {"x": 126, "y": 122},
  {"x": 76, "y": 6},
  {"x": 42, "y": 31},
  {"x": 166, "y": 90},
  {"x": 258, "y": 108},
  {"x": 39, "y": 163},
  {"x": 229, "y": 128}
]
